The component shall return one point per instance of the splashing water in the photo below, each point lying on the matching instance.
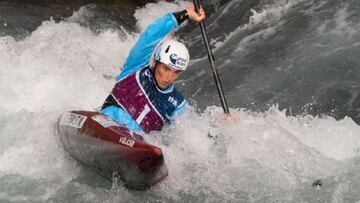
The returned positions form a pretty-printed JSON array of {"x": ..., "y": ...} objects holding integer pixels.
[{"x": 264, "y": 156}]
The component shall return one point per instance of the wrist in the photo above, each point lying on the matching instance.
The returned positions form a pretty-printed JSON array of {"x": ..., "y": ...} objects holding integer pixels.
[{"x": 181, "y": 16}]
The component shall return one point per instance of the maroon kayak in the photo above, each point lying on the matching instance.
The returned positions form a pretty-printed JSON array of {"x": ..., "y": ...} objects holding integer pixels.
[{"x": 111, "y": 149}]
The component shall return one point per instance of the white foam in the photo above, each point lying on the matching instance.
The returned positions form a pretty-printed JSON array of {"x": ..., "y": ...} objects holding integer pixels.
[
  {"x": 48, "y": 69},
  {"x": 60, "y": 67},
  {"x": 254, "y": 150}
]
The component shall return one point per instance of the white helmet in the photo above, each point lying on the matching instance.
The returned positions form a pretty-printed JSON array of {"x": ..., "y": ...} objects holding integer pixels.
[{"x": 173, "y": 54}]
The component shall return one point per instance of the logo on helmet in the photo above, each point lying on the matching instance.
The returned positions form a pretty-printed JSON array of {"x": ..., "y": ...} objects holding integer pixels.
[
  {"x": 177, "y": 61},
  {"x": 173, "y": 58}
]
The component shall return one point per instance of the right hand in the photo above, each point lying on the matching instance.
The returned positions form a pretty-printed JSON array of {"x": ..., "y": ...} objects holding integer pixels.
[{"x": 193, "y": 15}]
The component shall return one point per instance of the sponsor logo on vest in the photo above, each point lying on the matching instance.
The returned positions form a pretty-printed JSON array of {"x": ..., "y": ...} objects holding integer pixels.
[
  {"x": 172, "y": 100},
  {"x": 148, "y": 74}
]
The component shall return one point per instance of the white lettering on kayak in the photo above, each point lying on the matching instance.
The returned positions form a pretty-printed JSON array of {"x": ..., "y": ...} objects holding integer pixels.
[{"x": 125, "y": 141}]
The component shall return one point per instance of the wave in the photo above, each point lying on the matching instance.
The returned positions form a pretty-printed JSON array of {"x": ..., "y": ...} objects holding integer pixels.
[{"x": 257, "y": 156}]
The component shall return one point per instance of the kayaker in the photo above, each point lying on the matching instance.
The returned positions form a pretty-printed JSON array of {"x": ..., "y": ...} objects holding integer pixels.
[{"x": 144, "y": 98}]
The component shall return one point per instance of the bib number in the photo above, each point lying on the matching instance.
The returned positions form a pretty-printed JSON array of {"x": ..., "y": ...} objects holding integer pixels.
[{"x": 143, "y": 114}]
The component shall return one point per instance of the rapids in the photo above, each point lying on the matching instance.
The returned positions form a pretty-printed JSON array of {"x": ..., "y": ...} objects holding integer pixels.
[{"x": 290, "y": 74}]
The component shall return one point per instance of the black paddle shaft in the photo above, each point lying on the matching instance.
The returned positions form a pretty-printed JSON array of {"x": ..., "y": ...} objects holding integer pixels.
[{"x": 212, "y": 62}]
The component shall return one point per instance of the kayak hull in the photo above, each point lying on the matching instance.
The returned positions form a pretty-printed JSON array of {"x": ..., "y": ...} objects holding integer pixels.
[{"x": 111, "y": 149}]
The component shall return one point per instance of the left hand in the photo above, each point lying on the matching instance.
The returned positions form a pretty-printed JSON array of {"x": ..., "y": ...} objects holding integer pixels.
[{"x": 193, "y": 15}]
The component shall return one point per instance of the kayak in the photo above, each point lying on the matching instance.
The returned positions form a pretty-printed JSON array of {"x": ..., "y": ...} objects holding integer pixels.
[{"x": 111, "y": 149}]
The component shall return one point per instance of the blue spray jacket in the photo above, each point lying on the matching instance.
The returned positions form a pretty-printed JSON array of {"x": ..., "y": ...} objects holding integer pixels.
[{"x": 139, "y": 59}]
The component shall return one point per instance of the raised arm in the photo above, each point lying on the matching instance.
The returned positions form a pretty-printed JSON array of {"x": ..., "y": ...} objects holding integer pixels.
[{"x": 140, "y": 54}]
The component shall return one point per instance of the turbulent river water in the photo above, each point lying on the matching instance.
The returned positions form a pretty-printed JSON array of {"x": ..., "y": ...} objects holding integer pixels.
[{"x": 291, "y": 75}]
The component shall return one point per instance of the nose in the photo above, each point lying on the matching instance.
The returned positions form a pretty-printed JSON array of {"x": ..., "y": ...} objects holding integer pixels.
[{"x": 170, "y": 76}]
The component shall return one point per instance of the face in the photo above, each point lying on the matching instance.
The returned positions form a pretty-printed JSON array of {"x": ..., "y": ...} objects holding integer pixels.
[{"x": 165, "y": 75}]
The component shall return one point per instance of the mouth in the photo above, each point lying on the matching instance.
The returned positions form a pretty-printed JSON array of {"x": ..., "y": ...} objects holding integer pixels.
[{"x": 166, "y": 83}]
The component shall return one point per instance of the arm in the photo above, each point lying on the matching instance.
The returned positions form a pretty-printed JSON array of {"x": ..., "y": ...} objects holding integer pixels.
[{"x": 140, "y": 54}]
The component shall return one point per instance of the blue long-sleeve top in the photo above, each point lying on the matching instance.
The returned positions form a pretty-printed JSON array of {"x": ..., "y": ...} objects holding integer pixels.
[
  {"x": 140, "y": 54},
  {"x": 139, "y": 57}
]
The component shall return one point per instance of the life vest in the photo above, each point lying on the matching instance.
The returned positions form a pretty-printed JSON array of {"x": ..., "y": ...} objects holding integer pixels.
[{"x": 148, "y": 105}]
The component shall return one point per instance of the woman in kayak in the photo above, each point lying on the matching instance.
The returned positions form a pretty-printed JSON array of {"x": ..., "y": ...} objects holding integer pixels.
[{"x": 144, "y": 98}]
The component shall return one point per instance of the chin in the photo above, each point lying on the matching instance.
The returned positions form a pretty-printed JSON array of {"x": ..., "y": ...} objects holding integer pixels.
[{"x": 163, "y": 86}]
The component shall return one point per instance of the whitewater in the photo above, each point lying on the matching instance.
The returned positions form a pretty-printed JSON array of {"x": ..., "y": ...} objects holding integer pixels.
[{"x": 267, "y": 152}]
